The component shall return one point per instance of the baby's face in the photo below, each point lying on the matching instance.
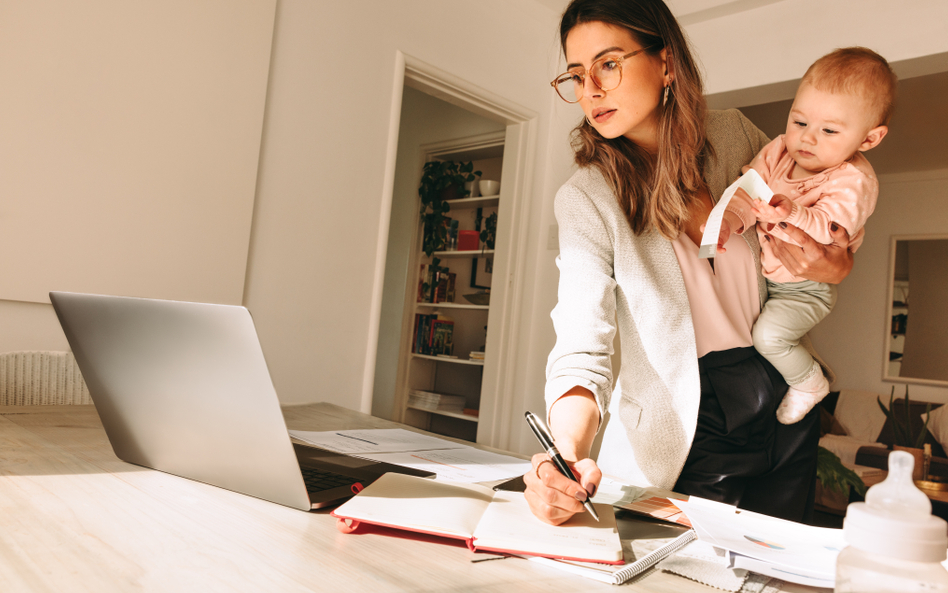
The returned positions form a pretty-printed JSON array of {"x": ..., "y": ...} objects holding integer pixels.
[{"x": 825, "y": 129}]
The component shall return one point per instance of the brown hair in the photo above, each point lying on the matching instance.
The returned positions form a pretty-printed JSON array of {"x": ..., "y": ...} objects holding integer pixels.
[
  {"x": 858, "y": 71},
  {"x": 653, "y": 191}
]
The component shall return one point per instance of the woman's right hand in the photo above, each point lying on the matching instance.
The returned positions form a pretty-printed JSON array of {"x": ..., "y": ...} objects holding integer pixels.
[{"x": 553, "y": 497}]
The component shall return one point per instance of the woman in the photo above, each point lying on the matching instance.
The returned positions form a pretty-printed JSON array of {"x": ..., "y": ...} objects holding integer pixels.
[{"x": 694, "y": 406}]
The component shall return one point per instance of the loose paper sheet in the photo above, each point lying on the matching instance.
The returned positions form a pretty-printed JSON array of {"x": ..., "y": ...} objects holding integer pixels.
[
  {"x": 449, "y": 460},
  {"x": 798, "y": 553},
  {"x": 459, "y": 465},
  {"x": 378, "y": 440},
  {"x": 756, "y": 188}
]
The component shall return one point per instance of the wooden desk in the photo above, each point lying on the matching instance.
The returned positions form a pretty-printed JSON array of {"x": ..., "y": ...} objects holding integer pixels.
[{"x": 73, "y": 517}]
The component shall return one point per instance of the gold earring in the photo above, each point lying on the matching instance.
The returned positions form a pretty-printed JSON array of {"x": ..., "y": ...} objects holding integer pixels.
[{"x": 665, "y": 98}]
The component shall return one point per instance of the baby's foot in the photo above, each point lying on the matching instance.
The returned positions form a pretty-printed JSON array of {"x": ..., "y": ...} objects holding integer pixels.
[{"x": 801, "y": 398}]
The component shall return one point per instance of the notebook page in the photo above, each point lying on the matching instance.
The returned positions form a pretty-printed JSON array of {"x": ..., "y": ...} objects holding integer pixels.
[
  {"x": 419, "y": 504},
  {"x": 509, "y": 525}
]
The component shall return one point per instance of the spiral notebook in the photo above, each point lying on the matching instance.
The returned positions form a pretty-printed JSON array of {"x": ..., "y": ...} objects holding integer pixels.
[{"x": 629, "y": 531}]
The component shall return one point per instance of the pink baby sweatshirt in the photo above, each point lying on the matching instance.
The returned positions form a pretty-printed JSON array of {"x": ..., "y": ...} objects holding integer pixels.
[{"x": 845, "y": 194}]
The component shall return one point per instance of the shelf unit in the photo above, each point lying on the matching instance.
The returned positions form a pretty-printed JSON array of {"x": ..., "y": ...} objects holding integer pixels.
[{"x": 442, "y": 374}]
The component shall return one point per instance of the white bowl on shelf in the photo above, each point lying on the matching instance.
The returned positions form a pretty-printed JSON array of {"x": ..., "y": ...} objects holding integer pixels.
[{"x": 488, "y": 187}]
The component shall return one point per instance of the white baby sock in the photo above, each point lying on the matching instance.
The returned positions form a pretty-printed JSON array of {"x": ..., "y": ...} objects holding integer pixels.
[{"x": 802, "y": 397}]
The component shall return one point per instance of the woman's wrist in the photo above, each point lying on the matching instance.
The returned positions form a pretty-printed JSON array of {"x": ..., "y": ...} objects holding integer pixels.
[{"x": 574, "y": 421}]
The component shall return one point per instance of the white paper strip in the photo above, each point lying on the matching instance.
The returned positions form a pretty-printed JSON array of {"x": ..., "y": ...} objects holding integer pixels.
[{"x": 754, "y": 185}]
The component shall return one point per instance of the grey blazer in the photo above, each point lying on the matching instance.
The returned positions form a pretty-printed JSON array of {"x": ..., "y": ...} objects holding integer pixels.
[{"x": 612, "y": 280}]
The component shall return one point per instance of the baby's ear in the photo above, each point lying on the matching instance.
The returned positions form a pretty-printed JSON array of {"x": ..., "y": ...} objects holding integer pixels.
[{"x": 873, "y": 138}]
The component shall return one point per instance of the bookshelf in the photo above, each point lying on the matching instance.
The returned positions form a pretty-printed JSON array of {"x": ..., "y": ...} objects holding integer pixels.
[{"x": 423, "y": 368}]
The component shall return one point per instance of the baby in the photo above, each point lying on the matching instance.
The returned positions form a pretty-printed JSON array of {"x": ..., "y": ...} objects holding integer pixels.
[{"x": 820, "y": 177}]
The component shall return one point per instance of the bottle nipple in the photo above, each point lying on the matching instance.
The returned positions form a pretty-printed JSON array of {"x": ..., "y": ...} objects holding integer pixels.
[{"x": 897, "y": 495}]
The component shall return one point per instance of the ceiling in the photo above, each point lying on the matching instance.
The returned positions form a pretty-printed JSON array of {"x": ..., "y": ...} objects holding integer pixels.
[
  {"x": 688, "y": 11},
  {"x": 918, "y": 132}
]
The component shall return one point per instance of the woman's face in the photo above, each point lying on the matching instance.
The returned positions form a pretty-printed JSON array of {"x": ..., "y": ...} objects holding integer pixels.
[{"x": 632, "y": 108}]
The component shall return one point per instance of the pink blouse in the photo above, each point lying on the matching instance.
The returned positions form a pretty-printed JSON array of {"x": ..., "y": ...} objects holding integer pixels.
[{"x": 724, "y": 301}]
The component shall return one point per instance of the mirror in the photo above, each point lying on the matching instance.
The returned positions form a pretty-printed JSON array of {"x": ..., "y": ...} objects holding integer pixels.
[{"x": 917, "y": 321}]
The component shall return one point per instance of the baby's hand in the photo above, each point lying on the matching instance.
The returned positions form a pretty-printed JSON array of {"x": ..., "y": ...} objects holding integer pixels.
[
  {"x": 727, "y": 227},
  {"x": 776, "y": 211}
]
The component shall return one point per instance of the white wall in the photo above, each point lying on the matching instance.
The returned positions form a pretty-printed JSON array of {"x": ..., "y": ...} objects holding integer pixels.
[{"x": 852, "y": 337}]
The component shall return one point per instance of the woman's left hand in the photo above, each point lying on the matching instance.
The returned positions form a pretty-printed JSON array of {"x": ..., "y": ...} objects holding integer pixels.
[{"x": 812, "y": 260}]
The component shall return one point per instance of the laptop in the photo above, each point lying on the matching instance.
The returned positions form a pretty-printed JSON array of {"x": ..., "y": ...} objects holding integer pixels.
[{"x": 183, "y": 388}]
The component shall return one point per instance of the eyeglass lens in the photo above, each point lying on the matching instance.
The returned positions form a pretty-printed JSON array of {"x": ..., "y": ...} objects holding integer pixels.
[{"x": 606, "y": 74}]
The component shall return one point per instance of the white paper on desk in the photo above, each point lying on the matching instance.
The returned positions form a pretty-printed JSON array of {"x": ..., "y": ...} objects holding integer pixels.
[
  {"x": 754, "y": 185},
  {"x": 459, "y": 465},
  {"x": 617, "y": 493},
  {"x": 792, "y": 548},
  {"x": 801, "y": 577},
  {"x": 378, "y": 440}
]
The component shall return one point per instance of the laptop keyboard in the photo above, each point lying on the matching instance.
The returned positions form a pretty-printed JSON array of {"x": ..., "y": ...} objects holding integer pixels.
[{"x": 317, "y": 480}]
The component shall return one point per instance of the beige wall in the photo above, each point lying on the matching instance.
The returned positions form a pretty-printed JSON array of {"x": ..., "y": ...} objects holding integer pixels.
[
  {"x": 131, "y": 135},
  {"x": 852, "y": 337},
  {"x": 926, "y": 338},
  {"x": 321, "y": 198}
]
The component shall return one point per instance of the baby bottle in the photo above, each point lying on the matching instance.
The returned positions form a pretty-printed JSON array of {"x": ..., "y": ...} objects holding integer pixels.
[{"x": 895, "y": 544}]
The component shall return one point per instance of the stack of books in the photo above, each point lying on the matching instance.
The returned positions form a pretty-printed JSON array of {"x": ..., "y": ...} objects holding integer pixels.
[
  {"x": 427, "y": 400},
  {"x": 477, "y": 355}
]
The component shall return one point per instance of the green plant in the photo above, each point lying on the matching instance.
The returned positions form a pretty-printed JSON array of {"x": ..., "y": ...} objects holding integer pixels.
[
  {"x": 835, "y": 476},
  {"x": 902, "y": 425},
  {"x": 488, "y": 234},
  {"x": 438, "y": 179}
]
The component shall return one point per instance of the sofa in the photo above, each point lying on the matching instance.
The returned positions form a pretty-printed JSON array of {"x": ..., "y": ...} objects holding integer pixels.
[
  {"x": 854, "y": 428},
  {"x": 860, "y": 421}
]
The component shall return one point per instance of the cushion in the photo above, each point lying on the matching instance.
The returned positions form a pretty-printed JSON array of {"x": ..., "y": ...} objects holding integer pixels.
[
  {"x": 829, "y": 424},
  {"x": 938, "y": 428},
  {"x": 859, "y": 414},
  {"x": 845, "y": 447}
]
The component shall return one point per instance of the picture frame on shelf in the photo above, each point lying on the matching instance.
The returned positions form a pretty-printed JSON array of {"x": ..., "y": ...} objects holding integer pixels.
[{"x": 482, "y": 268}]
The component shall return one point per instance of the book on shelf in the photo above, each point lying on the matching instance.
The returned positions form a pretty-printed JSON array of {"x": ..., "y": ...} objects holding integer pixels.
[
  {"x": 436, "y": 284},
  {"x": 433, "y": 334},
  {"x": 476, "y": 355},
  {"x": 424, "y": 283},
  {"x": 444, "y": 287},
  {"x": 442, "y": 337},
  {"x": 436, "y": 401},
  {"x": 499, "y": 522}
]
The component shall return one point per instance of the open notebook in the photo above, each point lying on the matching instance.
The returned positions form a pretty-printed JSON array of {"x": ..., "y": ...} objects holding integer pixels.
[{"x": 487, "y": 520}]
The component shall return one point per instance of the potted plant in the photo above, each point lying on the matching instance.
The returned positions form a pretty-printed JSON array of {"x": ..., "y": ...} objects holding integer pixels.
[
  {"x": 441, "y": 181},
  {"x": 904, "y": 437},
  {"x": 835, "y": 476},
  {"x": 488, "y": 234}
]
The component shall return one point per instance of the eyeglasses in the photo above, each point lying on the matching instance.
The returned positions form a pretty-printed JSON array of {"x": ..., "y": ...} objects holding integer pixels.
[{"x": 606, "y": 73}]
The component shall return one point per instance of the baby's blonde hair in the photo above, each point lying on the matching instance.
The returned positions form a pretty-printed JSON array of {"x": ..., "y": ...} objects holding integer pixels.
[{"x": 859, "y": 71}]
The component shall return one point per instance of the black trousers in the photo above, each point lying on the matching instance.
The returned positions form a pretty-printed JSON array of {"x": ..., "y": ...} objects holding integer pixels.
[{"x": 741, "y": 455}]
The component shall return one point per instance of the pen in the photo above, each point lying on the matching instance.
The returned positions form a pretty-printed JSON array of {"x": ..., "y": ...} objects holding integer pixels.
[{"x": 546, "y": 441}]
